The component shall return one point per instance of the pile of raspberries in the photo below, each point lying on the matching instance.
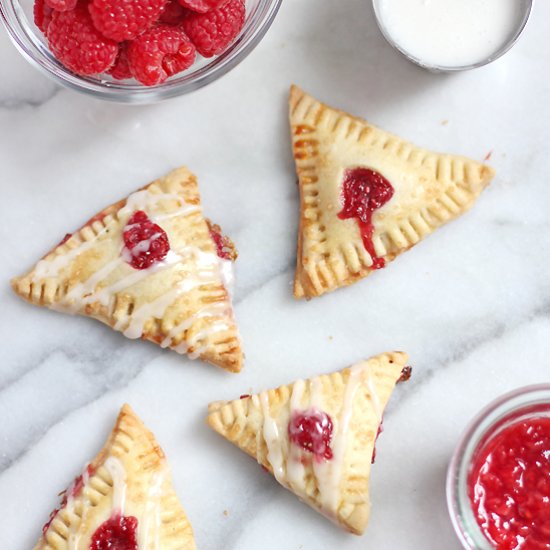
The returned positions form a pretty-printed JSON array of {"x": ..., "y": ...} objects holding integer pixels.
[{"x": 149, "y": 40}]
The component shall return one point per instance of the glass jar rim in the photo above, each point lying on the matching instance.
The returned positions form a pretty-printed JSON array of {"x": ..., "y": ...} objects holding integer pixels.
[{"x": 489, "y": 418}]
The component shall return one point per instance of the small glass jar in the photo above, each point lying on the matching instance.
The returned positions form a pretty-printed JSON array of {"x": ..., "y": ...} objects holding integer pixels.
[
  {"x": 520, "y": 405},
  {"x": 525, "y": 8}
]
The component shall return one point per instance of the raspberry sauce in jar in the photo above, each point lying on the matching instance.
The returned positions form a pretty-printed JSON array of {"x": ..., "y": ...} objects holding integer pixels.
[{"x": 498, "y": 486}]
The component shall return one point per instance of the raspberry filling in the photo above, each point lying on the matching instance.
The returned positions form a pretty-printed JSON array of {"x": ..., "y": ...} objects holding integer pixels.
[
  {"x": 77, "y": 485},
  {"x": 146, "y": 243},
  {"x": 117, "y": 533},
  {"x": 363, "y": 192},
  {"x": 221, "y": 244},
  {"x": 509, "y": 486},
  {"x": 72, "y": 492},
  {"x": 378, "y": 432},
  {"x": 312, "y": 430},
  {"x": 406, "y": 374}
]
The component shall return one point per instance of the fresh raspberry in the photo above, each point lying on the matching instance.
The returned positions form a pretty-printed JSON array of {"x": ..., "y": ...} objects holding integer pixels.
[
  {"x": 213, "y": 31},
  {"x": 61, "y": 5},
  {"x": 122, "y": 20},
  {"x": 173, "y": 13},
  {"x": 42, "y": 15},
  {"x": 202, "y": 6},
  {"x": 77, "y": 44},
  {"x": 145, "y": 242},
  {"x": 121, "y": 70},
  {"x": 159, "y": 53}
]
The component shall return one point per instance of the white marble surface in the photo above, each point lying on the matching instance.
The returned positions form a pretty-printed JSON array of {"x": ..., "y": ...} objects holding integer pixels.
[{"x": 471, "y": 304}]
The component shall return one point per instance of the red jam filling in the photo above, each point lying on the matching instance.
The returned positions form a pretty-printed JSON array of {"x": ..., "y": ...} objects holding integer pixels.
[
  {"x": 145, "y": 242},
  {"x": 65, "y": 238},
  {"x": 378, "y": 432},
  {"x": 222, "y": 246},
  {"x": 363, "y": 192},
  {"x": 406, "y": 374},
  {"x": 73, "y": 491},
  {"x": 46, "y": 526},
  {"x": 117, "y": 533},
  {"x": 509, "y": 486},
  {"x": 312, "y": 430},
  {"x": 76, "y": 486}
]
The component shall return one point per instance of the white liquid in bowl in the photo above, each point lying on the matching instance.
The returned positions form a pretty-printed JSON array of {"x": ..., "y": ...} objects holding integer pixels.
[{"x": 451, "y": 33}]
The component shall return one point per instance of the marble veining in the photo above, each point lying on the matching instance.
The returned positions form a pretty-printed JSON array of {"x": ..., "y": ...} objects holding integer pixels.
[{"x": 471, "y": 304}]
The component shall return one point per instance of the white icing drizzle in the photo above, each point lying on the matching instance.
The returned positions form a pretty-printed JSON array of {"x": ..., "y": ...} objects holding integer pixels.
[
  {"x": 118, "y": 475},
  {"x": 273, "y": 441},
  {"x": 228, "y": 277},
  {"x": 149, "y": 527},
  {"x": 141, "y": 200},
  {"x": 208, "y": 310},
  {"x": 143, "y": 246},
  {"x": 209, "y": 269},
  {"x": 329, "y": 483},
  {"x": 328, "y": 473},
  {"x": 219, "y": 325},
  {"x": 144, "y": 200},
  {"x": 47, "y": 268},
  {"x": 373, "y": 394},
  {"x": 294, "y": 468},
  {"x": 74, "y": 535},
  {"x": 135, "y": 323}
]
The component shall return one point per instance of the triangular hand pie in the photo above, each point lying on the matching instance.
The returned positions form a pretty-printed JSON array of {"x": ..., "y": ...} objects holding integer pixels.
[
  {"x": 317, "y": 436},
  {"x": 123, "y": 499},
  {"x": 150, "y": 266},
  {"x": 366, "y": 195}
]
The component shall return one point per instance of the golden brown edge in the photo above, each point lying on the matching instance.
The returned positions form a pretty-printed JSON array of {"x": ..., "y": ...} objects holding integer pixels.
[
  {"x": 231, "y": 362},
  {"x": 357, "y": 522},
  {"x": 301, "y": 287}
]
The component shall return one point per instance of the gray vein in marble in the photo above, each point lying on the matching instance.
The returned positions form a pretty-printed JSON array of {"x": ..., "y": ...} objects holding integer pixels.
[
  {"x": 470, "y": 345},
  {"x": 98, "y": 375},
  {"x": 13, "y": 104},
  {"x": 252, "y": 289}
]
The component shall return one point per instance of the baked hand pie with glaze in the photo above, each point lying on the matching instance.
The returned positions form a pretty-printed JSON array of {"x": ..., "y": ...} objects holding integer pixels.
[
  {"x": 366, "y": 195},
  {"x": 150, "y": 266},
  {"x": 317, "y": 436},
  {"x": 124, "y": 499}
]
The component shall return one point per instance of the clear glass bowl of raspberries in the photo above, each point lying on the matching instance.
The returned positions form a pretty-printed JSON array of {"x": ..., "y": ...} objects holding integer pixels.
[{"x": 136, "y": 51}]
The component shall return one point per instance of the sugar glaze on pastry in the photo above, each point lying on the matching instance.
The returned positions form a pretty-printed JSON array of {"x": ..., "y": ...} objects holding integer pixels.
[
  {"x": 317, "y": 436},
  {"x": 327, "y": 473},
  {"x": 127, "y": 484},
  {"x": 148, "y": 267}
]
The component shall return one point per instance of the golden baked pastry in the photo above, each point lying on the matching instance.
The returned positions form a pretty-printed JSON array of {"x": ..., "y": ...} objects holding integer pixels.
[
  {"x": 367, "y": 195},
  {"x": 317, "y": 436},
  {"x": 123, "y": 499},
  {"x": 151, "y": 267}
]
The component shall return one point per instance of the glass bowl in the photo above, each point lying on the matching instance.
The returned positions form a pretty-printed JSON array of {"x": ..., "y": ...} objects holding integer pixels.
[
  {"x": 525, "y": 8},
  {"x": 519, "y": 405},
  {"x": 17, "y": 16}
]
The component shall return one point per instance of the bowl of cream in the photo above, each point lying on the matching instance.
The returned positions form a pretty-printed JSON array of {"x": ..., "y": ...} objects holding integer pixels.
[{"x": 452, "y": 35}]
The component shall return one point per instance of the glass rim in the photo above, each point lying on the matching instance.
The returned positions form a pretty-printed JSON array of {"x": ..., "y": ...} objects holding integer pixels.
[
  {"x": 458, "y": 503},
  {"x": 37, "y": 54},
  {"x": 528, "y": 9}
]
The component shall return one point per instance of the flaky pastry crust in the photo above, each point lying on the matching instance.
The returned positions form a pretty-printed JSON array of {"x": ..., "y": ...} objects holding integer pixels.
[
  {"x": 133, "y": 465},
  {"x": 354, "y": 398},
  {"x": 182, "y": 303},
  {"x": 430, "y": 190}
]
